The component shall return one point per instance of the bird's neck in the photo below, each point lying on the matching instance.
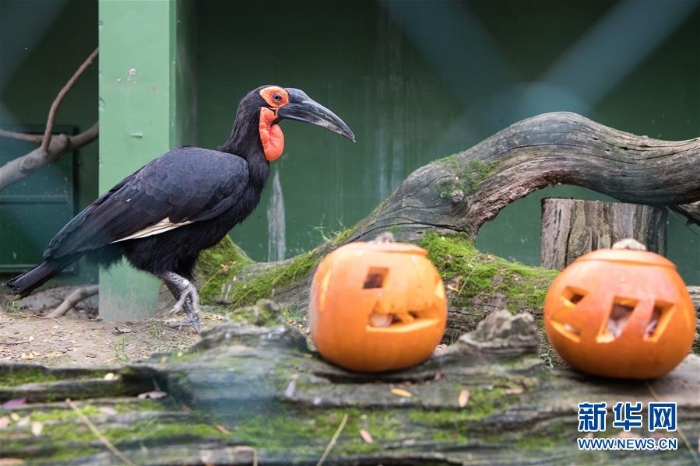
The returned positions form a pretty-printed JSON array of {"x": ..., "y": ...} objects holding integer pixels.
[{"x": 245, "y": 143}]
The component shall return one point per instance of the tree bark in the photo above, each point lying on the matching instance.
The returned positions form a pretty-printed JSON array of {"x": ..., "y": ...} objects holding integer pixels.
[
  {"x": 246, "y": 390},
  {"x": 461, "y": 192},
  {"x": 571, "y": 228}
]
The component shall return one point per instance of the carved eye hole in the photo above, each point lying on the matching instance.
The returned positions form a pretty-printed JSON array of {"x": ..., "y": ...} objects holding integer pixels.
[{"x": 277, "y": 97}]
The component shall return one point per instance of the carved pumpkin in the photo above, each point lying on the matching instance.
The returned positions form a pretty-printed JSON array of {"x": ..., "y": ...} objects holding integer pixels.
[
  {"x": 377, "y": 306},
  {"x": 620, "y": 313}
]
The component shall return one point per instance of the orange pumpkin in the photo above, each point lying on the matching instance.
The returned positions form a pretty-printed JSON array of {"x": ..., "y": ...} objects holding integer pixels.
[
  {"x": 377, "y": 306},
  {"x": 620, "y": 313}
]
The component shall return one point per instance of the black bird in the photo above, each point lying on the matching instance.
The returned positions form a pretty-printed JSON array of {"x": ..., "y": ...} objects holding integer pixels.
[{"x": 162, "y": 216}]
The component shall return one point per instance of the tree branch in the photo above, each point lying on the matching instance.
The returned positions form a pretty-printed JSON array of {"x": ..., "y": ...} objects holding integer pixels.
[
  {"x": 23, "y": 166},
  {"x": 462, "y": 192},
  {"x": 74, "y": 298},
  {"x": 59, "y": 99},
  {"x": 52, "y": 148},
  {"x": 21, "y": 136}
]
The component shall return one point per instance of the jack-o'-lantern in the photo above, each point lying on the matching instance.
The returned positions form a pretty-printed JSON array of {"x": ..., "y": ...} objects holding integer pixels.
[
  {"x": 377, "y": 306},
  {"x": 620, "y": 313}
]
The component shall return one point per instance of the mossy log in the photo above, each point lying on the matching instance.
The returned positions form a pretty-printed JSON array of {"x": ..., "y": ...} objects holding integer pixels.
[
  {"x": 248, "y": 392},
  {"x": 442, "y": 205}
]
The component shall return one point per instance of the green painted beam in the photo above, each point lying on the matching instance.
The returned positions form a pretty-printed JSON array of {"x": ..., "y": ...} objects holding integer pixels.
[{"x": 138, "y": 109}]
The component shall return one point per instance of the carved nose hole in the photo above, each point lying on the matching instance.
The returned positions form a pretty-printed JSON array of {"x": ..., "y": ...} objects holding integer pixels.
[
  {"x": 618, "y": 318},
  {"x": 375, "y": 277}
]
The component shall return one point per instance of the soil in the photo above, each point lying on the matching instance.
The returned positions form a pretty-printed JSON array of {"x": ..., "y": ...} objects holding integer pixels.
[{"x": 80, "y": 338}]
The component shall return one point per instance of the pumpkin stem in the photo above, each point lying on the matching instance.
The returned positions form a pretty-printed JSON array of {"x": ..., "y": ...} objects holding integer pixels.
[
  {"x": 386, "y": 237},
  {"x": 629, "y": 243}
]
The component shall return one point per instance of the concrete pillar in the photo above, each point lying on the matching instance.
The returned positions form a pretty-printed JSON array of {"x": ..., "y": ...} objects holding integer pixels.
[{"x": 138, "y": 110}]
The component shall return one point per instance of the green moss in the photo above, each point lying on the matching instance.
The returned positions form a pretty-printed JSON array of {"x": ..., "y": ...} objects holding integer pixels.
[
  {"x": 474, "y": 274},
  {"x": 466, "y": 178},
  {"x": 314, "y": 428},
  {"x": 482, "y": 403},
  {"x": 156, "y": 431},
  {"x": 14, "y": 375},
  {"x": 219, "y": 265},
  {"x": 343, "y": 235},
  {"x": 65, "y": 436},
  {"x": 22, "y": 376},
  {"x": 264, "y": 285}
]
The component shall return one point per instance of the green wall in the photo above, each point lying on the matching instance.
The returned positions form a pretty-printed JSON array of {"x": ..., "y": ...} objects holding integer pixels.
[
  {"x": 420, "y": 80},
  {"x": 36, "y": 60}
]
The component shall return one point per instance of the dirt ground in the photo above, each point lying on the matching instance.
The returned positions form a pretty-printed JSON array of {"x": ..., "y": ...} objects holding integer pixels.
[{"x": 81, "y": 339}]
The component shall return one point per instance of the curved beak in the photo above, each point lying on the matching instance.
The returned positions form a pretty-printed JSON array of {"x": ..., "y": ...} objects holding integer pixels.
[{"x": 303, "y": 108}]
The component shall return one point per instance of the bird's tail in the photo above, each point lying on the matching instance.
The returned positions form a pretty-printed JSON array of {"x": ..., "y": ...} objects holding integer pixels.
[{"x": 25, "y": 283}]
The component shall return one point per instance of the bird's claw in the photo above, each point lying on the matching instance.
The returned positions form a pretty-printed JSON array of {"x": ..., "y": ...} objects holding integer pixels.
[{"x": 189, "y": 300}]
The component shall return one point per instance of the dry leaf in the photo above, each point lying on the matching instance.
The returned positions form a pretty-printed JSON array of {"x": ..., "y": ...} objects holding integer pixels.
[
  {"x": 366, "y": 436},
  {"x": 14, "y": 403},
  {"x": 108, "y": 410},
  {"x": 163, "y": 359},
  {"x": 154, "y": 395},
  {"x": 401, "y": 392},
  {"x": 90, "y": 355},
  {"x": 291, "y": 387},
  {"x": 37, "y": 428},
  {"x": 463, "y": 398},
  {"x": 514, "y": 391},
  {"x": 222, "y": 429},
  {"x": 11, "y": 461}
]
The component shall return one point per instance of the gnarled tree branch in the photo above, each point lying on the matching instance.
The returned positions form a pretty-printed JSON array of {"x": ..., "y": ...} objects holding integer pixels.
[
  {"x": 462, "y": 192},
  {"x": 61, "y": 95},
  {"x": 52, "y": 148},
  {"x": 23, "y": 166}
]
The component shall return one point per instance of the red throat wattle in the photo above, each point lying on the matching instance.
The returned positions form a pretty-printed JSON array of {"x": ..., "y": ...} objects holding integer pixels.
[{"x": 271, "y": 135}]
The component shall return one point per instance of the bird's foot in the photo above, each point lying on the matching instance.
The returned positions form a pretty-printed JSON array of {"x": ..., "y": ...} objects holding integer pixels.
[
  {"x": 187, "y": 298},
  {"x": 193, "y": 320},
  {"x": 190, "y": 303},
  {"x": 192, "y": 315},
  {"x": 187, "y": 292}
]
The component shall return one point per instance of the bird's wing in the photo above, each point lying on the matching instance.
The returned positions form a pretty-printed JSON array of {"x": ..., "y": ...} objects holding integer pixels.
[{"x": 183, "y": 186}]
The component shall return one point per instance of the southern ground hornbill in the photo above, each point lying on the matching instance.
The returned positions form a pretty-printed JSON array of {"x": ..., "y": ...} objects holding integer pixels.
[{"x": 164, "y": 214}]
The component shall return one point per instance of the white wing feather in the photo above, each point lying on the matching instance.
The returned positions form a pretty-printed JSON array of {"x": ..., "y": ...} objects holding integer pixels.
[{"x": 161, "y": 227}]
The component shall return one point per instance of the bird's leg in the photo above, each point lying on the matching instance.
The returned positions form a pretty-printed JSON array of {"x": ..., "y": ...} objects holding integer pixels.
[{"x": 186, "y": 295}]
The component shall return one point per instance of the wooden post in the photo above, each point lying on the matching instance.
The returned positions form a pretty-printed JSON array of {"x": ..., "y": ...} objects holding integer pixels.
[{"x": 571, "y": 228}]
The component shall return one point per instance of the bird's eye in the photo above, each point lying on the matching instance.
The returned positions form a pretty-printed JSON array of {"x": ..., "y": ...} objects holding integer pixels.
[{"x": 277, "y": 97}]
